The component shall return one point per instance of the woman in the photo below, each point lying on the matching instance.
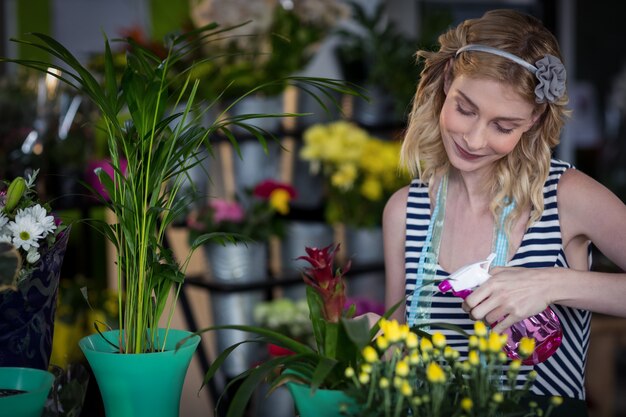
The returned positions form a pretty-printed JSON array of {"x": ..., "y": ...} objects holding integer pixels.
[{"x": 486, "y": 117}]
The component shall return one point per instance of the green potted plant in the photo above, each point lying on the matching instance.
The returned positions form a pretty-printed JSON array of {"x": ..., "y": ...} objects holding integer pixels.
[{"x": 154, "y": 141}]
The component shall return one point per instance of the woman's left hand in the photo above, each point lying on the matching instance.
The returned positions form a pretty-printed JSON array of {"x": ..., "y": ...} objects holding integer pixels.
[{"x": 510, "y": 295}]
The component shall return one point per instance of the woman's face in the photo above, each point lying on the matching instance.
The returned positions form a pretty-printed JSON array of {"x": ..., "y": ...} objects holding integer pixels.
[{"x": 482, "y": 121}]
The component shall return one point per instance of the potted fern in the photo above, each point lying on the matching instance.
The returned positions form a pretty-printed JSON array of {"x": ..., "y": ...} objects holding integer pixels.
[{"x": 138, "y": 368}]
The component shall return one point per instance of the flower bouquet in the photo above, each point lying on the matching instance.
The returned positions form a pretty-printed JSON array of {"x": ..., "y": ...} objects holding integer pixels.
[
  {"x": 361, "y": 171},
  {"x": 32, "y": 246}
]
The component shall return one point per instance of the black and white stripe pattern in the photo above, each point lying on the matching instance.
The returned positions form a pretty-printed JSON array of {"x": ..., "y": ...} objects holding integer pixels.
[{"x": 541, "y": 247}]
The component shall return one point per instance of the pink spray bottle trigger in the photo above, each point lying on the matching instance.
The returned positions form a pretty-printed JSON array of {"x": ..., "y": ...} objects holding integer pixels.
[{"x": 544, "y": 327}]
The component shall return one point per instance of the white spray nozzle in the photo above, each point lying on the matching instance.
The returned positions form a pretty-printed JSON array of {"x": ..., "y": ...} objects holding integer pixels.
[{"x": 471, "y": 275}]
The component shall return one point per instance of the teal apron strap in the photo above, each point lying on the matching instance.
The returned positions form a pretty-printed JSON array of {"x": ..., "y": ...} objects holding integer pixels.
[{"x": 419, "y": 309}]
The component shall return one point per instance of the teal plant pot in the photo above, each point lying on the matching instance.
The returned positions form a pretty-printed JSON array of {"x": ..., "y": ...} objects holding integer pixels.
[
  {"x": 143, "y": 384},
  {"x": 35, "y": 385},
  {"x": 321, "y": 402}
]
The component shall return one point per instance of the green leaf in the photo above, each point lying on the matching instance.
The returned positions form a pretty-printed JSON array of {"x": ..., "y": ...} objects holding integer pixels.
[
  {"x": 358, "y": 331},
  {"x": 322, "y": 370}
]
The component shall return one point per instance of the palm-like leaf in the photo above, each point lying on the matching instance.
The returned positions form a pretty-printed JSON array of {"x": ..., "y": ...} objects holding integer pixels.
[{"x": 153, "y": 142}]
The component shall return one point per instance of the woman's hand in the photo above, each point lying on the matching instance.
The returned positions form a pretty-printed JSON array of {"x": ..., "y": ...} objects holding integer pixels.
[{"x": 510, "y": 295}]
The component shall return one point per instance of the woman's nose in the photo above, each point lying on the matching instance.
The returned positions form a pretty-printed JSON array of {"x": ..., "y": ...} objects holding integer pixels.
[{"x": 474, "y": 139}]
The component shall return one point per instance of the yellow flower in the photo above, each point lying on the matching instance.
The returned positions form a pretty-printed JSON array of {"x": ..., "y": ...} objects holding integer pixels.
[
  {"x": 367, "y": 368},
  {"x": 439, "y": 340},
  {"x": 473, "y": 341},
  {"x": 495, "y": 342},
  {"x": 371, "y": 189},
  {"x": 435, "y": 373},
  {"x": 532, "y": 375},
  {"x": 426, "y": 345},
  {"x": 414, "y": 358},
  {"x": 370, "y": 354},
  {"x": 480, "y": 329},
  {"x": 556, "y": 401},
  {"x": 405, "y": 389},
  {"x": 526, "y": 346},
  {"x": 411, "y": 340},
  {"x": 502, "y": 357},
  {"x": 383, "y": 383},
  {"x": 345, "y": 176},
  {"x": 417, "y": 401},
  {"x": 349, "y": 372},
  {"x": 515, "y": 364},
  {"x": 364, "y": 378},
  {"x": 393, "y": 331},
  {"x": 425, "y": 357},
  {"x": 473, "y": 358},
  {"x": 467, "y": 404},
  {"x": 482, "y": 344},
  {"x": 402, "y": 368},
  {"x": 498, "y": 397},
  {"x": 382, "y": 342},
  {"x": 279, "y": 200}
]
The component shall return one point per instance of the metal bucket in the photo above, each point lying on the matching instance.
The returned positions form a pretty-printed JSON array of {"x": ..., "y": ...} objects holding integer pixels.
[
  {"x": 236, "y": 264},
  {"x": 255, "y": 164}
]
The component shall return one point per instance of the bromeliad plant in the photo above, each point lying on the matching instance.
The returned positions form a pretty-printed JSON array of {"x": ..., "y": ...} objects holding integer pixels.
[
  {"x": 403, "y": 374},
  {"x": 159, "y": 145},
  {"x": 339, "y": 337}
]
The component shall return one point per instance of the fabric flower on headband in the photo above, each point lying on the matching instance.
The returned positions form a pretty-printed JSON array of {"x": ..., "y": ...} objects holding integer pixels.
[{"x": 552, "y": 76}]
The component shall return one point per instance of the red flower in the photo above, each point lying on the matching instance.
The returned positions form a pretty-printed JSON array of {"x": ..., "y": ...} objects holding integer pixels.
[
  {"x": 265, "y": 188},
  {"x": 328, "y": 284}
]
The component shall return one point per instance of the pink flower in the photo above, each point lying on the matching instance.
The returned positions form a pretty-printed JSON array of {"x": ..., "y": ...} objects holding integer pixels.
[
  {"x": 328, "y": 284},
  {"x": 227, "y": 211}
]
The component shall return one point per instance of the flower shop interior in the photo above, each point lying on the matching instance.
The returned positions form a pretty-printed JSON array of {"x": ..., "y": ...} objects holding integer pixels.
[{"x": 319, "y": 174}]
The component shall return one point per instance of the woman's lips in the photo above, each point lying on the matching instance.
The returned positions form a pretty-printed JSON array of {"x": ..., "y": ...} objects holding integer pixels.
[{"x": 466, "y": 155}]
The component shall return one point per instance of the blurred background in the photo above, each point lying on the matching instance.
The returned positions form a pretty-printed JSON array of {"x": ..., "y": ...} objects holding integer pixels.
[{"x": 44, "y": 126}]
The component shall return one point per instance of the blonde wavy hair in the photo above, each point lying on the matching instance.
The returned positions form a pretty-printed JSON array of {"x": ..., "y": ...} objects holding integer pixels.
[{"x": 519, "y": 176}]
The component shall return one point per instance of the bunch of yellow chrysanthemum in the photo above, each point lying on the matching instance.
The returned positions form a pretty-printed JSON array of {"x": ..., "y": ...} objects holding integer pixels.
[
  {"x": 403, "y": 374},
  {"x": 361, "y": 171}
]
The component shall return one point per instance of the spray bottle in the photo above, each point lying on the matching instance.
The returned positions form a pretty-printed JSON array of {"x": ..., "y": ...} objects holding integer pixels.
[{"x": 544, "y": 327}]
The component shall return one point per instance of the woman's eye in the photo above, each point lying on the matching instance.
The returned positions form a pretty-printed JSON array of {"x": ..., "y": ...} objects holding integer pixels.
[
  {"x": 503, "y": 130},
  {"x": 463, "y": 111}
]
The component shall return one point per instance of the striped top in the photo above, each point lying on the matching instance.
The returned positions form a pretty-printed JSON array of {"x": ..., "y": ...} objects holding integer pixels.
[{"x": 563, "y": 373}]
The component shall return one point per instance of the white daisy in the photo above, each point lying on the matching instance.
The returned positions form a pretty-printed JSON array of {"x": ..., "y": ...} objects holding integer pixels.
[
  {"x": 26, "y": 232},
  {"x": 5, "y": 236},
  {"x": 40, "y": 215},
  {"x": 32, "y": 256}
]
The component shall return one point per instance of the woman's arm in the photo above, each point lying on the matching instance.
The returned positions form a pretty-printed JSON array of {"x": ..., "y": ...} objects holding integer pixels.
[
  {"x": 394, "y": 230},
  {"x": 588, "y": 212}
]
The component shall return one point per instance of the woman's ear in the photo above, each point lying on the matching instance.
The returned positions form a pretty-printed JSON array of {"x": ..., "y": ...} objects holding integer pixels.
[{"x": 447, "y": 76}]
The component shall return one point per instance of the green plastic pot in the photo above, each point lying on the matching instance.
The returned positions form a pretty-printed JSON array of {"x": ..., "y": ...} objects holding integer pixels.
[
  {"x": 36, "y": 384},
  {"x": 321, "y": 402},
  {"x": 143, "y": 384}
]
